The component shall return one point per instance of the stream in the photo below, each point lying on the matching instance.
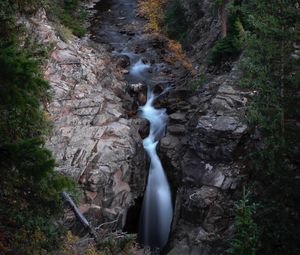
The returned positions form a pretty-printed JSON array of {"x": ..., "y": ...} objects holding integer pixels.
[{"x": 116, "y": 25}]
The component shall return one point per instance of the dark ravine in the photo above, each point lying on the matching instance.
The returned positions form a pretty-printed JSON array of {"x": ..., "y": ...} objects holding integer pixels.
[
  {"x": 205, "y": 133},
  {"x": 139, "y": 56}
]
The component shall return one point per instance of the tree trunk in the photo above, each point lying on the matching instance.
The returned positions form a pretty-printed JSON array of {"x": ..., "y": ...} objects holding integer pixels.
[
  {"x": 223, "y": 12},
  {"x": 282, "y": 86}
]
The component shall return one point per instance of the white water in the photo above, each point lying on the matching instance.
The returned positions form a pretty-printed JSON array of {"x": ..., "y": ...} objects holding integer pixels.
[
  {"x": 157, "y": 211},
  {"x": 138, "y": 68}
]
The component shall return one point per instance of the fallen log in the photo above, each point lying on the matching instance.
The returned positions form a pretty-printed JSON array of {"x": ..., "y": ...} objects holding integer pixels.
[{"x": 66, "y": 197}]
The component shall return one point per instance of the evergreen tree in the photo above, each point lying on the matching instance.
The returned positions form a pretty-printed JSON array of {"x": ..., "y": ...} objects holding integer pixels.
[
  {"x": 30, "y": 189},
  {"x": 271, "y": 67}
]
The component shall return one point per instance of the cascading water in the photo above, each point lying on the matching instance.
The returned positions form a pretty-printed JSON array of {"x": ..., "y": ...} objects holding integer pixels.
[
  {"x": 138, "y": 68},
  {"x": 157, "y": 211},
  {"x": 117, "y": 25}
]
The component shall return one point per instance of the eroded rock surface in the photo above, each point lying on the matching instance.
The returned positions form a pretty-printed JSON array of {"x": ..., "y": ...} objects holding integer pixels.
[
  {"x": 92, "y": 139},
  {"x": 201, "y": 154}
]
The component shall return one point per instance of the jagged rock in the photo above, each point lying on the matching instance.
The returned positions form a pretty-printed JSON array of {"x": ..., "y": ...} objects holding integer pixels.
[
  {"x": 205, "y": 157},
  {"x": 217, "y": 137},
  {"x": 196, "y": 202},
  {"x": 192, "y": 167},
  {"x": 177, "y": 117},
  {"x": 213, "y": 177},
  {"x": 92, "y": 141},
  {"x": 176, "y": 129}
]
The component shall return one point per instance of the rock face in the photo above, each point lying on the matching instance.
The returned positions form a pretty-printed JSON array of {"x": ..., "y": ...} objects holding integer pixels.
[
  {"x": 204, "y": 30},
  {"x": 200, "y": 151},
  {"x": 92, "y": 139}
]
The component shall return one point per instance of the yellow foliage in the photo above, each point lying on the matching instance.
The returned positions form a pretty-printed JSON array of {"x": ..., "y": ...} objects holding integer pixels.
[
  {"x": 177, "y": 55},
  {"x": 152, "y": 10},
  {"x": 69, "y": 245},
  {"x": 92, "y": 251}
]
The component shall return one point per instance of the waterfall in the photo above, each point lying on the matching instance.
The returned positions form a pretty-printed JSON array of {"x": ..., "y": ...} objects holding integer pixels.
[
  {"x": 138, "y": 68},
  {"x": 157, "y": 211}
]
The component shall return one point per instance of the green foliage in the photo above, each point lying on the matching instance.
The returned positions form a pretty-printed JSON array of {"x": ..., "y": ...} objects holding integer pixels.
[
  {"x": 117, "y": 243},
  {"x": 175, "y": 20},
  {"x": 246, "y": 237},
  {"x": 230, "y": 46},
  {"x": 21, "y": 91},
  {"x": 198, "y": 82},
  {"x": 29, "y": 187},
  {"x": 7, "y": 20},
  {"x": 70, "y": 15},
  {"x": 30, "y": 202},
  {"x": 271, "y": 68},
  {"x": 27, "y": 6}
]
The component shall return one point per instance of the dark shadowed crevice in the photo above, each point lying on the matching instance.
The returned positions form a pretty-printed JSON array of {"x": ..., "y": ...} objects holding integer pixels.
[{"x": 133, "y": 216}]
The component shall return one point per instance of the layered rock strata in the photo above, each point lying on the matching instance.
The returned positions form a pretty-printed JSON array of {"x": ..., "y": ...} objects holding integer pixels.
[{"x": 92, "y": 139}]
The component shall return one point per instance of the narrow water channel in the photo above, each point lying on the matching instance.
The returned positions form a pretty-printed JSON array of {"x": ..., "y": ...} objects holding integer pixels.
[
  {"x": 117, "y": 25},
  {"x": 157, "y": 211}
]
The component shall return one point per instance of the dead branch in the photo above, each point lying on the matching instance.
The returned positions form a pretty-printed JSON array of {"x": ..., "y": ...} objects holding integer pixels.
[{"x": 66, "y": 197}]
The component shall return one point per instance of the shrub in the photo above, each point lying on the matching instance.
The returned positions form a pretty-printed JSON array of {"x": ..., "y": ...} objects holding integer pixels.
[
  {"x": 246, "y": 238},
  {"x": 230, "y": 46},
  {"x": 176, "y": 24},
  {"x": 198, "y": 82},
  {"x": 152, "y": 10},
  {"x": 29, "y": 186},
  {"x": 70, "y": 15},
  {"x": 21, "y": 91}
]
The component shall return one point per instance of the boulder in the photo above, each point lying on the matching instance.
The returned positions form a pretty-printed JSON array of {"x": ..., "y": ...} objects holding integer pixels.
[{"x": 123, "y": 61}]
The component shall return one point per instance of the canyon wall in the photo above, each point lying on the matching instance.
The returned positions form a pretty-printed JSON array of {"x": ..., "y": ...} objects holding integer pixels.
[
  {"x": 206, "y": 135},
  {"x": 92, "y": 138}
]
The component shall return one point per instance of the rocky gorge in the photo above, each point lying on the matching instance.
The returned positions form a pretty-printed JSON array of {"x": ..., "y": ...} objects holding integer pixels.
[{"x": 97, "y": 134}]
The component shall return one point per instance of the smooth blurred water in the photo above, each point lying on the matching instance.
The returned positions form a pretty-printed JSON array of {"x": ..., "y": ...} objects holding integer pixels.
[
  {"x": 157, "y": 210},
  {"x": 138, "y": 68}
]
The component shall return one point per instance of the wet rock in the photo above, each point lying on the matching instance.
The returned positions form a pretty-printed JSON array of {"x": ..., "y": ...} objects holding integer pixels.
[
  {"x": 142, "y": 98},
  {"x": 144, "y": 128},
  {"x": 130, "y": 33},
  {"x": 123, "y": 61},
  {"x": 145, "y": 61},
  {"x": 137, "y": 87},
  {"x": 124, "y": 71},
  {"x": 157, "y": 89},
  {"x": 122, "y": 31},
  {"x": 139, "y": 49}
]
